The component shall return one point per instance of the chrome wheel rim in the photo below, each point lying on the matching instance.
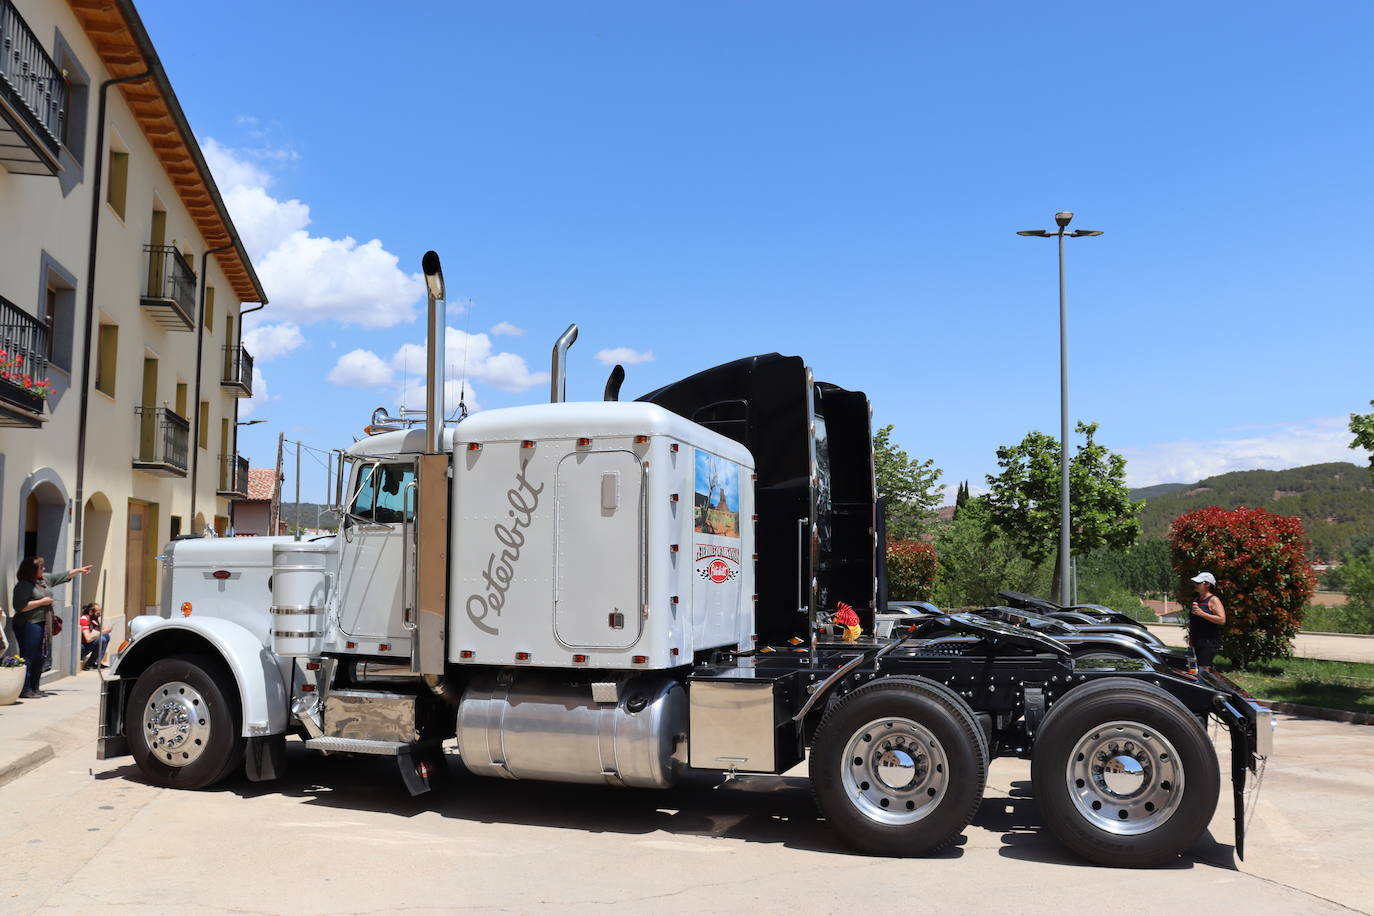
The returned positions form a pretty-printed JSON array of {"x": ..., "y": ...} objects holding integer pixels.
[
  {"x": 894, "y": 771},
  {"x": 176, "y": 724},
  {"x": 1125, "y": 778}
]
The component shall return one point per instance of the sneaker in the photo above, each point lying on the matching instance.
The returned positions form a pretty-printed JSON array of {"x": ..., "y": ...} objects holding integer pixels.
[{"x": 31, "y": 694}]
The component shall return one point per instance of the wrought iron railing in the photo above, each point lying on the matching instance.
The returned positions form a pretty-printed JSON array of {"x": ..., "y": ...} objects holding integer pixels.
[
  {"x": 233, "y": 475},
  {"x": 238, "y": 368},
  {"x": 171, "y": 279},
  {"x": 29, "y": 79},
  {"x": 163, "y": 438},
  {"x": 23, "y": 357}
]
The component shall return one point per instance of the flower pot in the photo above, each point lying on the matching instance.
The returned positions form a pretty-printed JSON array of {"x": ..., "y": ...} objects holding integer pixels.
[{"x": 11, "y": 683}]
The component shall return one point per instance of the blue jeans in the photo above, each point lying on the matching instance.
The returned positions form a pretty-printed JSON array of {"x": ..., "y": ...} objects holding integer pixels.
[
  {"x": 93, "y": 652},
  {"x": 30, "y": 637}
]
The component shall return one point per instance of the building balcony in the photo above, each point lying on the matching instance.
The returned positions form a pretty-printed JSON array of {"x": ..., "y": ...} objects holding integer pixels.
[
  {"x": 33, "y": 99},
  {"x": 238, "y": 371},
  {"x": 24, "y": 382},
  {"x": 233, "y": 476},
  {"x": 164, "y": 441},
  {"x": 169, "y": 293}
]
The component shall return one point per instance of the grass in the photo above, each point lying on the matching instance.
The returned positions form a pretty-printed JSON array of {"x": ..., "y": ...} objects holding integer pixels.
[
  {"x": 1346, "y": 618},
  {"x": 1308, "y": 681}
]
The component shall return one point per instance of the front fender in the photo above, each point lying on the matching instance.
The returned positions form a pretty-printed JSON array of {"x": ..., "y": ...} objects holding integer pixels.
[{"x": 263, "y": 691}]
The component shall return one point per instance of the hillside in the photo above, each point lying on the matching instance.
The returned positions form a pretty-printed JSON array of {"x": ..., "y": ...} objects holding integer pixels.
[
  {"x": 1335, "y": 501},
  {"x": 309, "y": 513}
]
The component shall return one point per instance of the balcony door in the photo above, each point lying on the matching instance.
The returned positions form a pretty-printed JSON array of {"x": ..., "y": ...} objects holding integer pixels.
[
  {"x": 135, "y": 554},
  {"x": 147, "y": 426}
]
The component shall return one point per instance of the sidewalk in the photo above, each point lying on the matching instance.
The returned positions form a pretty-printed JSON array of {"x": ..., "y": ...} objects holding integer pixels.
[
  {"x": 1330, "y": 646},
  {"x": 34, "y": 731}
]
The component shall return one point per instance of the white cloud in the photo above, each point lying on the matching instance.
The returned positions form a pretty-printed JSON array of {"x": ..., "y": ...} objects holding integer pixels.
[
  {"x": 505, "y": 327},
  {"x": 471, "y": 355},
  {"x": 1311, "y": 441},
  {"x": 624, "y": 355},
  {"x": 360, "y": 369},
  {"x": 268, "y": 341},
  {"x": 250, "y": 406},
  {"x": 309, "y": 278},
  {"x": 414, "y": 390}
]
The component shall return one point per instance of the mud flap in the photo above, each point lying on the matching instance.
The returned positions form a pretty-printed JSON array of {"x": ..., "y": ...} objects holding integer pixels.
[
  {"x": 1242, "y": 760},
  {"x": 422, "y": 767},
  {"x": 110, "y": 740},
  {"x": 265, "y": 758}
]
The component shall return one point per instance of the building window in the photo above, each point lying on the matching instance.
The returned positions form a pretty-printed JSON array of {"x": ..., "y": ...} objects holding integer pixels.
[
  {"x": 181, "y": 399},
  {"x": 74, "y": 117},
  {"x": 210, "y": 307},
  {"x": 106, "y": 358},
  {"x": 58, "y": 311},
  {"x": 204, "y": 424},
  {"x": 117, "y": 186}
]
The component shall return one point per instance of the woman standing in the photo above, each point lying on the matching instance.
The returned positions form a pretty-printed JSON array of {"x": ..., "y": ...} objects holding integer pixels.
[
  {"x": 1205, "y": 621},
  {"x": 32, "y": 600}
]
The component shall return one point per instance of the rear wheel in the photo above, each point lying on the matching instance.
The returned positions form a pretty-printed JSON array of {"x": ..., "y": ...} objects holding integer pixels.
[
  {"x": 182, "y": 723},
  {"x": 898, "y": 768},
  {"x": 1123, "y": 774}
]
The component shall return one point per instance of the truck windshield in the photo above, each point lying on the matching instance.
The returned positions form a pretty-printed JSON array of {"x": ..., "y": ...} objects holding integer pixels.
[{"x": 383, "y": 495}]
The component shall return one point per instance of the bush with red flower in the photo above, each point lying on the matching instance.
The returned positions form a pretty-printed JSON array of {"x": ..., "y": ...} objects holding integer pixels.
[
  {"x": 911, "y": 570},
  {"x": 1263, "y": 575}
]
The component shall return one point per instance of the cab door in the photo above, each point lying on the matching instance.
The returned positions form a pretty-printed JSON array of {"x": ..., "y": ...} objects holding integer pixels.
[{"x": 375, "y": 592}]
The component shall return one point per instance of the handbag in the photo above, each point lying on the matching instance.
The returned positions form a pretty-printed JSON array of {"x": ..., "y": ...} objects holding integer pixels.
[{"x": 56, "y": 625}]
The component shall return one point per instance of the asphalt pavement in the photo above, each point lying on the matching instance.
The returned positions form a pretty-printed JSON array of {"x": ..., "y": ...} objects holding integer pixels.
[{"x": 340, "y": 834}]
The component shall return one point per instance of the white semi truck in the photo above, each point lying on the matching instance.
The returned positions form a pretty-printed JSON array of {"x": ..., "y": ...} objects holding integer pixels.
[{"x": 621, "y": 592}]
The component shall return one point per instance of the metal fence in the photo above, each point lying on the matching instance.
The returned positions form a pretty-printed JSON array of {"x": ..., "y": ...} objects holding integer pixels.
[
  {"x": 29, "y": 78},
  {"x": 238, "y": 367},
  {"x": 23, "y": 354},
  {"x": 171, "y": 279},
  {"x": 163, "y": 438},
  {"x": 233, "y": 475}
]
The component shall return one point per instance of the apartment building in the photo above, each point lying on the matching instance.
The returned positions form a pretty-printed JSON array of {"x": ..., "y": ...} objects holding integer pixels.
[{"x": 122, "y": 287}]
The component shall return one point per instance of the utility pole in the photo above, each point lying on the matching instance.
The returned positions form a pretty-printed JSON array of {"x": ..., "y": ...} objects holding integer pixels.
[{"x": 276, "y": 488}]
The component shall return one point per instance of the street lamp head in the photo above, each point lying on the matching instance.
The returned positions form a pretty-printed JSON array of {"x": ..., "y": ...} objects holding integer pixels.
[
  {"x": 248, "y": 422},
  {"x": 1039, "y": 233},
  {"x": 1063, "y": 218},
  {"x": 1080, "y": 233}
]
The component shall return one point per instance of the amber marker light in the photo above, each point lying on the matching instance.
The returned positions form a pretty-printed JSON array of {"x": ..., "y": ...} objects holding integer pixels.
[{"x": 185, "y": 609}]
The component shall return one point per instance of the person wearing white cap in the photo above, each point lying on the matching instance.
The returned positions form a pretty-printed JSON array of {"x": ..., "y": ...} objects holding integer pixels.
[{"x": 1205, "y": 620}]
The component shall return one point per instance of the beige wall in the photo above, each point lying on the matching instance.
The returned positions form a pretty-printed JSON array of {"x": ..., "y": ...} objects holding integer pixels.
[{"x": 39, "y": 219}]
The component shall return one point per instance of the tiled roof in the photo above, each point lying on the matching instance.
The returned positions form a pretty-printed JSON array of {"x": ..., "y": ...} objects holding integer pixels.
[{"x": 260, "y": 483}]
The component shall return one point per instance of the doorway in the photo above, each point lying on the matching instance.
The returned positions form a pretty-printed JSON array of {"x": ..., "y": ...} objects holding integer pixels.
[{"x": 135, "y": 560}]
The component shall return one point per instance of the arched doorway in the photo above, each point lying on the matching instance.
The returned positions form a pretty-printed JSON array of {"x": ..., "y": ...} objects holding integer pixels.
[
  {"x": 95, "y": 546},
  {"x": 43, "y": 533}
]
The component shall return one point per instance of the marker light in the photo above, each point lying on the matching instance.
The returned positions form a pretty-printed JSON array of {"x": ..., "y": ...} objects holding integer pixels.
[
  {"x": 466, "y": 653},
  {"x": 522, "y": 656},
  {"x": 640, "y": 659},
  {"x": 579, "y": 659},
  {"x": 527, "y": 443},
  {"x": 640, "y": 440},
  {"x": 474, "y": 446},
  {"x": 185, "y": 609},
  {"x": 583, "y": 442},
  {"x": 221, "y": 574}
]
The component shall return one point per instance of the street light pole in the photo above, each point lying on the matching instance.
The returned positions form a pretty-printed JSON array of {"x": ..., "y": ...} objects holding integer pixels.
[{"x": 1062, "y": 220}]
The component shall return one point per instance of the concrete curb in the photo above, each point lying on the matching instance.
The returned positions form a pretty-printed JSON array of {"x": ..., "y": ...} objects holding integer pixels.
[{"x": 20, "y": 757}]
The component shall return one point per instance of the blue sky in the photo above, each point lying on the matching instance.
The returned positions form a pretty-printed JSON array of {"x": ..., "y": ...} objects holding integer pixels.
[{"x": 694, "y": 182}]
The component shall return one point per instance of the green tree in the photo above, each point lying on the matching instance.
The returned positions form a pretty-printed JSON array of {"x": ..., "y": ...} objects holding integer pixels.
[
  {"x": 1024, "y": 500},
  {"x": 1358, "y": 577},
  {"x": 960, "y": 497},
  {"x": 1362, "y": 425},
  {"x": 977, "y": 561},
  {"x": 908, "y": 485}
]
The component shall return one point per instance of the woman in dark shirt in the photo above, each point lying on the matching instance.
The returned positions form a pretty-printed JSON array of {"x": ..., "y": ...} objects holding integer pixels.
[
  {"x": 1205, "y": 620},
  {"x": 32, "y": 602}
]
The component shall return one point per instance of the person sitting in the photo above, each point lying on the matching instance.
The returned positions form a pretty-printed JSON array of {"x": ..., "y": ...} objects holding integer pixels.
[{"x": 95, "y": 637}]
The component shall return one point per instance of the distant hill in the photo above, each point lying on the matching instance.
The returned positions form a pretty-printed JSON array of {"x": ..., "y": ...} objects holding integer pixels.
[
  {"x": 308, "y": 516},
  {"x": 1335, "y": 501},
  {"x": 1159, "y": 489}
]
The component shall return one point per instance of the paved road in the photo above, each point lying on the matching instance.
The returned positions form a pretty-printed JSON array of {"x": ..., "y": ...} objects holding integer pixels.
[
  {"x": 339, "y": 835},
  {"x": 1306, "y": 645}
]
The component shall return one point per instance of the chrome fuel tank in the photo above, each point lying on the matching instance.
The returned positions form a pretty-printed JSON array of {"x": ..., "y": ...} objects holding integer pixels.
[{"x": 535, "y": 727}]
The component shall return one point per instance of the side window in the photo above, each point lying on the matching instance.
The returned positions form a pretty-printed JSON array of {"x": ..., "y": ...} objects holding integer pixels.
[
  {"x": 365, "y": 488},
  {"x": 393, "y": 497}
]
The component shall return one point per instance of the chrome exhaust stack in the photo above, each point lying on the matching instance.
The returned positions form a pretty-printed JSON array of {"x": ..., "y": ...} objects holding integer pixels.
[
  {"x": 434, "y": 353},
  {"x": 558, "y": 387}
]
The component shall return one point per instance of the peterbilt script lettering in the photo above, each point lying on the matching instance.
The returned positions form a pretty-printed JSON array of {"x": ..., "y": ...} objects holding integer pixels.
[{"x": 500, "y": 571}]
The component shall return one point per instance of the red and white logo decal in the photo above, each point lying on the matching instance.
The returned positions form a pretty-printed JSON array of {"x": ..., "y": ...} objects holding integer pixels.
[{"x": 718, "y": 571}]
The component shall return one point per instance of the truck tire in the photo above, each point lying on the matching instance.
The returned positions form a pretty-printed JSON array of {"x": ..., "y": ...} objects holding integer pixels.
[
  {"x": 182, "y": 723},
  {"x": 1123, "y": 774},
  {"x": 898, "y": 767}
]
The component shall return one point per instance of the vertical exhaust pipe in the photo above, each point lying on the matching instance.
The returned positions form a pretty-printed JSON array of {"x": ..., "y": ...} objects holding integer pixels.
[
  {"x": 434, "y": 353},
  {"x": 558, "y": 388}
]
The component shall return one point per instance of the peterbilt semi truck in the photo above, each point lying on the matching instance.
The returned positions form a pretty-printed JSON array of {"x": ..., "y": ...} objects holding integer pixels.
[{"x": 627, "y": 592}]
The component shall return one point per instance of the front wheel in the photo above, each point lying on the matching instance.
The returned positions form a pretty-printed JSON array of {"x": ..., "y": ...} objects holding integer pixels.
[
  {"x": 182, "y": 723},
  {"x": 897, "y": 768},
  {"x": 1123, "y": 774}
]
